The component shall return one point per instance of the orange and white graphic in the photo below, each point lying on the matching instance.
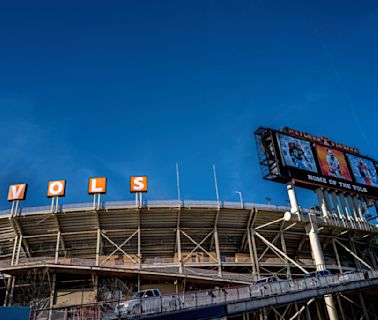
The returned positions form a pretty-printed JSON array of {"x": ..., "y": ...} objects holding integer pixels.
[
  {"x": 138, "y": 184},
  {"x": 56, "y": 188},
  {"x": 17, "y": 192},
  {"x": 97, "y": 185}
]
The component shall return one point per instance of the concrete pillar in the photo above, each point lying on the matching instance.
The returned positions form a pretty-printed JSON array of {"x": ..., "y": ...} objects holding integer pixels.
[
  {"x": 337, "y": 205},
  {"x": 352, "y": 207},
  {"x": 316, "y": 248},
  {"x": 318, "y": 256},
  {"x": 217, "y": 249},
  {"x": 328, "y": 203},
  {"x": 359, "y": 209},
  {"x": 292, "y": 198},
  {"x": 321, "y": 201},
  {"x": 344, "y": 207}
]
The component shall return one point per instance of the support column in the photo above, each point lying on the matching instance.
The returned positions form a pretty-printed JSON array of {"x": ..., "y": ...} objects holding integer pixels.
[
  {"x": 15, "y": 242},
  {"x": 336, "y": 205},
  {"x": 307, "y": 310},
  {"x": 316, "y": 248},
  {"x": 178, "y": 241},
  {"x": 283, "y": 244},
  {"x": 358, "y": 206},
  {"x": 95, "y": 287},
  {"x": 322, "y": 203},
  {"x": 251, "y": 256},
  {"x": 352, "y": 207},
  {"x": 57, "y": 247},
  {"x": 52, "y": 295},
  {"x": 327, "y": 203},
  {"x": 317, "y": 253},
  {"x": 218, "y": 252},
  {"x": 11, "y": 290},
  {"x": 318, "y": 311},
  {"x": 363, "y": 306},
  {"x": 357, "y": 261},
  {"x": 98, "y": 247},
  {"x": 373, "y": 257},
  {"x": 337, "y": 255},
  {"x": 139, "y": 241},
  {"x": 8, "y": 289},
  {"x": 179, "y": 256},
  {"x": 343, "y": 317},
  {"x": 293, "y": 199},
  {"x": 344, "y": 207},
  {"x": 19, "y": 250},
  {"x": 254, "y": 247}
]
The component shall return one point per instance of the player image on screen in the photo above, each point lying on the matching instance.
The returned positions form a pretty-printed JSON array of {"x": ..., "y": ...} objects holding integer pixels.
[
  {"x": 297, "y": 153},
  {"x": 333, "y": 163},
  {"x": 363, "y": 170}
]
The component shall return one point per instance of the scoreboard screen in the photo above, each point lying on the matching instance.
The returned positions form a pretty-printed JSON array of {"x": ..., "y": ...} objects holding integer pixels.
[{"x": 313, "y": 162}]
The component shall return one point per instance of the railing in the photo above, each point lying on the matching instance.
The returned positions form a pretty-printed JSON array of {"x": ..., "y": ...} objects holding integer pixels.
[
  {"x": 130, "y": 266},
  {"x": 332, "y": 220},
  {"x": 152, "y": 203},
  {"x": 200, "y": 299}
]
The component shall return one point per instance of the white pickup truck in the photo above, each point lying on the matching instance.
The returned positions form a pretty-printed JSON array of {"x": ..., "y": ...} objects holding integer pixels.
[{"x": 147, "y": 302}]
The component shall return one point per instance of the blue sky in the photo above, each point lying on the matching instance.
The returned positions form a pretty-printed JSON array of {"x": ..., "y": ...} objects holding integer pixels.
[{"x": 122, "y": 88}]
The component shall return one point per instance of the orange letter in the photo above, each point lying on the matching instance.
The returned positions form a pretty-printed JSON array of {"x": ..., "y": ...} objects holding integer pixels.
[
  {"x": 56, "y": 188},
  {"x": 97, "y": 185},
  {"x": 138, "y": 184},
  {"x": 17, "y": 192}
]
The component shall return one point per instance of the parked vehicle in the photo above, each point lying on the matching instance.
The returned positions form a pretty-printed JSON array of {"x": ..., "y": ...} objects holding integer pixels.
[
  {"x": 147, "y": 302},
  {"x": 318, "y": 274},
  {"x": 267, "y": 280},
  {"x": 147, "y": 293}
]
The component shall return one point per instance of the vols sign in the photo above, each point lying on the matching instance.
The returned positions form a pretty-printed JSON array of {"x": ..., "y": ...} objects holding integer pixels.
[
  {"x": 138, "y": 184},
  {"x": 17, "y": 192},
  {"x": 97, "y": 185},
  {"x": 56, "y": 188}
]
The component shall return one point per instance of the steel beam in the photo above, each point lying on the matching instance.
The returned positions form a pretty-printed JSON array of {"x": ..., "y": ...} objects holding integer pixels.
[{"x": 353, "y": 254}]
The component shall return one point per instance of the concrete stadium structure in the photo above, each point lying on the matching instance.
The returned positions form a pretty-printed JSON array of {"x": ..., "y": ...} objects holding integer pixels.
[{"x": 75, "y": 261}]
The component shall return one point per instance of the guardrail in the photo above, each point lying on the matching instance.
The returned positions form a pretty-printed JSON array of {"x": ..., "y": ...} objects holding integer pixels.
[
  {"x": 199, "y": 299},
  {"x": 80, "y": 262},
  {"x": 163, "y": 203},
  {"x": 150, "y": 203}
]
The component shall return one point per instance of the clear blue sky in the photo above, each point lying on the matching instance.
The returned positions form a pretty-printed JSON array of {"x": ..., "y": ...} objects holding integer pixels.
[{"x": 118, "y": 88}]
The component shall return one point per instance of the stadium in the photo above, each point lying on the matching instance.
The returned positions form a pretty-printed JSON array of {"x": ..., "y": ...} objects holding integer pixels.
[{"x": 207, "y": 259}]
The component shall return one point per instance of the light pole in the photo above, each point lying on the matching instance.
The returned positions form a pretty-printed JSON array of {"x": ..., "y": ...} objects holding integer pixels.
[{"x": 241, "y": 199}]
